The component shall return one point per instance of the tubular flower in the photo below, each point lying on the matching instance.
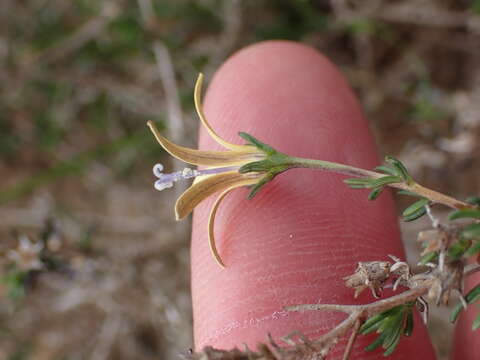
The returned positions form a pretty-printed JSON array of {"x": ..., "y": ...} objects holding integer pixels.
[{"x": 241, "y": 165}]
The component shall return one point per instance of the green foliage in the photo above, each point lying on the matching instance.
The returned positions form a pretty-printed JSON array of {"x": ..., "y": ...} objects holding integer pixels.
[
  {"x": 476, "y": 323},
  {"x": 471, "y": 232},
  {"x": 458, "y": 249},
  {"x": 464, "y": 214},
  {"x": 416, "y": 210},
  {"x": 472, "y": 296},
  {"x": 475, "y": 6},
  {"x": 267, "y": 149},
  {"x": 14, "y": 280},
  {"x": 390, "y": 325},
  {"x": 293, "y": 20},
  {"x": 375, "y": 193},
  {"x": 474, "y": 200},
  {"x": 399, "y": 169},
  {"x": 428, "y": 257}
]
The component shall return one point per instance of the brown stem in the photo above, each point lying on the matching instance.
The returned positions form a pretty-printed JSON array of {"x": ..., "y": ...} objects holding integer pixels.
[{"x": 351, "y": 340}]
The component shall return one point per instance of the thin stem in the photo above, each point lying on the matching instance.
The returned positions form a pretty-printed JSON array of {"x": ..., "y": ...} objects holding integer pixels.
[
  {"x": 470, "y": 269},
  {"x": 362, "y": 173},
  {"x": 351, "y": 340},
  {"x": 367, "y": 309}
]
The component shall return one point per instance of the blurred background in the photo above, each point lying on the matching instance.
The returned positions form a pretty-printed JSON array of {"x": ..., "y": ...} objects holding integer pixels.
[{"x": 92, "y": 265}]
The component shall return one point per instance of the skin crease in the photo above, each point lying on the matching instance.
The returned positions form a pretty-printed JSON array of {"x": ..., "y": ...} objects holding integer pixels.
[{"x": 295, "y": 241}]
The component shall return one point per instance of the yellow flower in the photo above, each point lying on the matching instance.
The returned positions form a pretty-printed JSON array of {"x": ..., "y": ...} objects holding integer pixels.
[{"x": 221, "y": 172}]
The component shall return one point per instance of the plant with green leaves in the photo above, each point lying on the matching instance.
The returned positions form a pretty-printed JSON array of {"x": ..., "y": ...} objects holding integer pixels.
[{"x": 447, "y": 246}]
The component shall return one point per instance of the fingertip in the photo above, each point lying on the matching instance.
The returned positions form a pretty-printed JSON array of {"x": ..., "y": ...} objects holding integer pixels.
[{"x": 296, "y": 240}]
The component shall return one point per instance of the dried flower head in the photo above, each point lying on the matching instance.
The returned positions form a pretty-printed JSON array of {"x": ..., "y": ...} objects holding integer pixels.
[
  {"x": 27, "y": 254},
  {"x": 371, "y": 275}
]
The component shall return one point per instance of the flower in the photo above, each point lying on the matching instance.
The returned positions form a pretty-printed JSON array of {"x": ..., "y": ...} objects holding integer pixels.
[
  {"x": 241, "y": 165},
  {"x": 27, "y": 255}
]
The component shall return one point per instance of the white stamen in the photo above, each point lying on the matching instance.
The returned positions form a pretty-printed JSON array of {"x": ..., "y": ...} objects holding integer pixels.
[
  {"x": 166, "y": 181},
  {"x": 157, "y": 170},
  {"x": 159, "y": 185}
]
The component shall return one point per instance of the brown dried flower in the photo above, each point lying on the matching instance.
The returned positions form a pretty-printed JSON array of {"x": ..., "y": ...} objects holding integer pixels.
[{"x": 371, "y": 275}]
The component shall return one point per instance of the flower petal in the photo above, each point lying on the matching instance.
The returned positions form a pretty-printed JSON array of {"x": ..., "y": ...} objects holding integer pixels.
[
  {"x": 211, "y": 223},
  {"x": 203, "y": 119},
  {"x": 207, "y": 158},
  {"x": 198, "y": 192}
]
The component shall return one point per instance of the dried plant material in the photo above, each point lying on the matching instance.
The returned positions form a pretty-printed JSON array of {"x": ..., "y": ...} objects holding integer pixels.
[
  {"x": 27, "y": 254},
  {"x": 371, "y": 275}
]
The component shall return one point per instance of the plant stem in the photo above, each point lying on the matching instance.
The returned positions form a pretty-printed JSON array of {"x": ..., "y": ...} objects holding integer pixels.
[{"x": 414, "y": 187}]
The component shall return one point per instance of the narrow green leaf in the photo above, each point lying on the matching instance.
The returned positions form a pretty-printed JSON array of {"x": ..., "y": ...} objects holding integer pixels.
[
  {"x": 255, "y": 166},
  {"x": 385, "y": 181},
  {"x": 394, "y": 330},
  {"x": 257, "y": 143},
  {"x": 408, "y": 193},
  {"x": 386, "y": 170},
  {"x": 372, "y": 324},
  {"x": 400, "y": 168},
  {"x": 476, "y": 323},
  {"x": 415, "y": 215},
  {"x": 408, "y": 330},
  {"x": 415, "y": 207},
  {"x": 358, "y": 183},
  {"x": 472, "y": 296},
  {"x": 256, "y": 188},
  {"x": 471, "y": 232},
  {"x": 474, "y": 200},
  {"x": 392, "y": 347},
  {"x": 463, "y": 214},
  {"x": 474, "y": 249},
  {"x": 375, "y": 193},
  {"x": 457, "y": 249},
  {"x": 429, "y": 257},
  {"x": 376, "y": 343}
]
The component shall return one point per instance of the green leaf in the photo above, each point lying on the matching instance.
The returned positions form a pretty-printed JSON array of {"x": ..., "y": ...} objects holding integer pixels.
[
  {"x": 257, "y": 143},
  {"x": 416, "y": 206},
  {"x": 372, "y": 323},
  {"x": 474, "y": 200},
  {"x": 464, "y": 214},
  {"x": 385, "y": 181},
  {"x": 476, "y": 323},
  {"x": 408, "y": 324},
  {"x": 390, "y": 325},
  {"x": 376, "y": 343},
  {"x": 358, "y": 183},
  {"x": 386, "y": 170},
  {"x": 429, "y": 257},
  {"x": 375, "y": 193},
  {"x": 262, "y": 182},
  {"x": 415, "y": 215},
  {"x": 416, "y": 210},
  {"x": 471, "y": 232},
  {"x": 457, "y": 249},
  {"x": 409, "y": 193},
  {"x": 394, "y": 330},
  {"x": 400, "y": 168},
  {"x": 472, "y": 296},
  {"x": 474, "y": 249}
]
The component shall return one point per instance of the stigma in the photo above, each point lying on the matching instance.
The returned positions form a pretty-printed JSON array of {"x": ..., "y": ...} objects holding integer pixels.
[{"x": 166, "y": 180}]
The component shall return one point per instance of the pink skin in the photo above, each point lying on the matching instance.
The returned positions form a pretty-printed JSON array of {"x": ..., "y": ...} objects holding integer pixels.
[
  {"x": 305, "y": 231},
  {"x": 467, "y": 342}
]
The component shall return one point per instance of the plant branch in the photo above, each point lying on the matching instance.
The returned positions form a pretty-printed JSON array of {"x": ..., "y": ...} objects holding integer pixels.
[{"x": 413, "y": 187}]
